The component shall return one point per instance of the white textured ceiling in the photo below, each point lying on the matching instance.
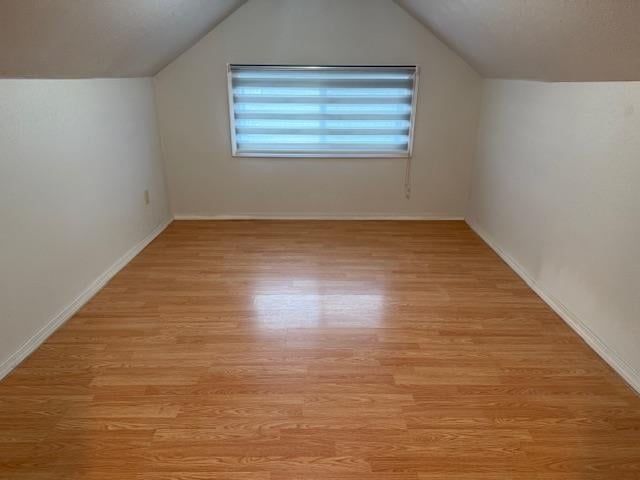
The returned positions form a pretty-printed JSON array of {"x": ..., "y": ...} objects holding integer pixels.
[
  {"x": 554, "y": 40},
  {"x": 101, "y": 38}
]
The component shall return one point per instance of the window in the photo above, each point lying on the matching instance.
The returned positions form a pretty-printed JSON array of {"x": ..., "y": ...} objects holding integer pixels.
[{"x": 310, "y": 111}]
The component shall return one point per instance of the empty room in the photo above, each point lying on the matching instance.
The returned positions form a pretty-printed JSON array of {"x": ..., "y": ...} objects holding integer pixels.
[{"x": 319, "y": 240}]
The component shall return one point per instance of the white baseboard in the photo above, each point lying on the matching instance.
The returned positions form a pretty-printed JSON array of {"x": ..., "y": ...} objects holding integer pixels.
[
  {"x": 608, "y": 354},
  {"x": 34, "y": 342},
  {"x": 314, "y": 216}
]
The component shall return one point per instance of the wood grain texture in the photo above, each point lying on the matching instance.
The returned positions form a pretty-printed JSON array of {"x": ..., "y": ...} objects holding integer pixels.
[{"x": 308, "y": 350}]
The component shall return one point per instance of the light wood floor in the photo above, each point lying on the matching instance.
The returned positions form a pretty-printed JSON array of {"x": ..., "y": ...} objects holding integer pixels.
[{"x": 268, "y": 350}]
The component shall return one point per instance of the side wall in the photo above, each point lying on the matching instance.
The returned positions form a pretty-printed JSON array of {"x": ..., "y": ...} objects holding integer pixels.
[
  {"x": 75, "y": 159},
  {"x": 204, "y": 179},
  {"x": 556, "y": 191}
]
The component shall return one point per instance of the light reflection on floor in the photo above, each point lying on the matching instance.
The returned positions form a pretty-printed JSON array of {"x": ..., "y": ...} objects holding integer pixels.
[{"x": 300, "y": 303}]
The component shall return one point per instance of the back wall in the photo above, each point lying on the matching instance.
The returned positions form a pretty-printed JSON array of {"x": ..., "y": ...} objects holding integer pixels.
[{"x": 191, "y": 95}]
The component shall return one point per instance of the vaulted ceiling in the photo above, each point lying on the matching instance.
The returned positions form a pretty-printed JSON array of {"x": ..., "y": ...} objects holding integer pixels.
[
  {"x": 555, "y": 40},
  {"x": 101, "y": 38}
]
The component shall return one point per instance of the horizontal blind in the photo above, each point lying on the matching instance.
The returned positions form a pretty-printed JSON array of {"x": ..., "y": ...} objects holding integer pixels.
[{"x": 321, "y": 111}]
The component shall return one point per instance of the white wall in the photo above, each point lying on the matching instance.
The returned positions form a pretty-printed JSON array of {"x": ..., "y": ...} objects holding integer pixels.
[
  {"x": 75, "y": 159},
  {"x": 556, "y": 187},
  {"x": 193, "y": 115}
]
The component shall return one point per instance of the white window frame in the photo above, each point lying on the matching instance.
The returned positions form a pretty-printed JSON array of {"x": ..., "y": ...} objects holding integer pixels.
[{"x": 382, "y": 68}]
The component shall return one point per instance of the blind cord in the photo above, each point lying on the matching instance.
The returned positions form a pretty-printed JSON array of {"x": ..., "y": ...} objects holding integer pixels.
[{"x": 407, "y": 179}]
